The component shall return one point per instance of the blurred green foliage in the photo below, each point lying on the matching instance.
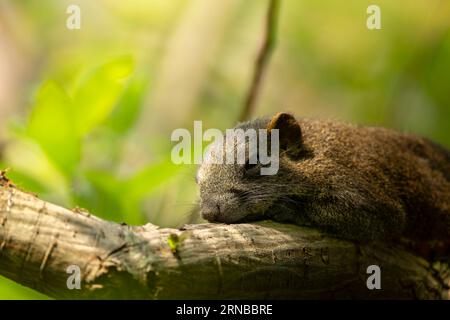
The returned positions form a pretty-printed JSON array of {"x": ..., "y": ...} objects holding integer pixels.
[
  {"x": 107, "y": 100},
  {"x": 99, "y": 111},
  {"x": 91, "y": 110}
]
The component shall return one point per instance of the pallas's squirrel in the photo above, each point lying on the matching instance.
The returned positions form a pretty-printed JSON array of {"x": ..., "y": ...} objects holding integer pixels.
[{"x": 354, "y": 182}]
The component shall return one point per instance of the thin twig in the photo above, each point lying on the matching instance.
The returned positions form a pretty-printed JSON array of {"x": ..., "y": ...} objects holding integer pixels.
[{"x": 262, "y": 59}]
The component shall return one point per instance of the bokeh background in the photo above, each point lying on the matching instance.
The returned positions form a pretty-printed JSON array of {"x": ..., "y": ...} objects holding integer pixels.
[{"x": 86, "y": 115}]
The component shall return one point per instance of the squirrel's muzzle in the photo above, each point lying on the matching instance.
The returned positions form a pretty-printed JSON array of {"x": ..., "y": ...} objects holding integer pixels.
[{"x": 210, "y": 210}]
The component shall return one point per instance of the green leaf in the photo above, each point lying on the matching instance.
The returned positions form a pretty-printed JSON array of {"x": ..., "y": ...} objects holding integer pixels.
[
  {"x": 173, "y": 240},
  {"x": 103, "y": 195},
  {"x": 104, "y": 181},
  {"x": 51, "y": 126},
  {"x": 14, "y": 291},
  {"x": 129, "y": 106},
  {"x": 142, "y": 184},
  {"x": 42, "y": 177},
  {"x": 25, "y": 181},
  {"x": 150, "y": 178},
  {"x": 98, "y": 92}
]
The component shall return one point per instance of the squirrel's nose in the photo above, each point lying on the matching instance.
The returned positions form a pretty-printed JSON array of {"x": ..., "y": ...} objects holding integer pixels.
[{"x": 211, "y": 211}]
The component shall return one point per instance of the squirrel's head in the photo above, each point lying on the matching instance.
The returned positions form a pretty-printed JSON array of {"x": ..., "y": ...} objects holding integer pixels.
[{"x": 237, "y": 191}]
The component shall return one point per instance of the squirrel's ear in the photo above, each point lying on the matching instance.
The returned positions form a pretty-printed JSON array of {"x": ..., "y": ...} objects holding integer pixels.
[{"x": 289, "y": 131}]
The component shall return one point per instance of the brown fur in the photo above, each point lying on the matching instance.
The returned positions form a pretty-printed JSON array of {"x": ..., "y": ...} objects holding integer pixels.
[{"x": 355, "y": 182}]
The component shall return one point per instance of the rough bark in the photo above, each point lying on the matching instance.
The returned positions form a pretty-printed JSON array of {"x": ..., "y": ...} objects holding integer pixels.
[{"x": 39, "y": 241}]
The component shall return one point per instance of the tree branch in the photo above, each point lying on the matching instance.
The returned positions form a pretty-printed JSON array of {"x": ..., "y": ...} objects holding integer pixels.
[
  {"x": 39, "y": 241},
  {"x": 262, "y": 59}
]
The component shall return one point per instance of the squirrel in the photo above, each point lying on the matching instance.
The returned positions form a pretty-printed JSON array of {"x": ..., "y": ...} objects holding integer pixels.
[{"x": 350, "y": 181}]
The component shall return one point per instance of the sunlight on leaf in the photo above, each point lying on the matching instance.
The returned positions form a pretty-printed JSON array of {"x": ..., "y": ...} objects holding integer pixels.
[
  {"x": 97, "y": 93},
  {"x": 129, "y": 106},
  {"x": 51, "y": 126},
  {"x": 42, "y": 177}
]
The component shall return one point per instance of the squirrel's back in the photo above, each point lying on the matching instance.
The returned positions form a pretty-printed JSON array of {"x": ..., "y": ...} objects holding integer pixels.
[{"x": 410, "y": 171}]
